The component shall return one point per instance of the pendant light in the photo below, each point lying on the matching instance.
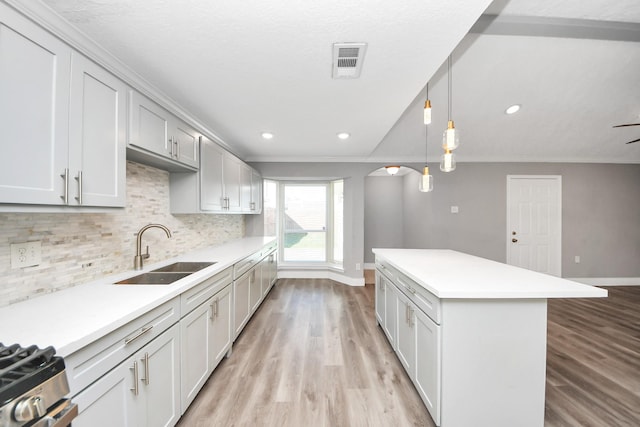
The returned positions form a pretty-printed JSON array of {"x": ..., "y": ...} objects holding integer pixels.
[
  {"x": 426, "y": 180},
  {"x": 451, "y": 136}
]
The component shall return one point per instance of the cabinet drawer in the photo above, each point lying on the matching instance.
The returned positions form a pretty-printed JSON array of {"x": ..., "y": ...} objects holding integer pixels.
[
  {"x": 267, "y": 249},
  {"x": 385, "y": 269},
  {"x": 423, "y": 299},
  {"x": 91, "y": 362},
  {"x": 245, "y": 265},
  {"x": 203, "y": 291}
]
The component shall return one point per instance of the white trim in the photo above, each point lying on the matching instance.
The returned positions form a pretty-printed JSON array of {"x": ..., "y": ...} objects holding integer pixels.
[
  {"x": 369, "y": 265},
  {"x": 320, "y": 274},
  {"x": 607, "y": 281}
]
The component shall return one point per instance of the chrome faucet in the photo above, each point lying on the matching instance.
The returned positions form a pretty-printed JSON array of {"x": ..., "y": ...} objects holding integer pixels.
[{"x": 137, "y": 260}]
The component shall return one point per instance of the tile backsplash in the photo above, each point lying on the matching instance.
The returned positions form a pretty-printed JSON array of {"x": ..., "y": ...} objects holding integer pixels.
[{"x": 81, "y": 247}]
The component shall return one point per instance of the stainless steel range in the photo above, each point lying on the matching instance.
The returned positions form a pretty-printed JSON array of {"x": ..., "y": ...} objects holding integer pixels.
[{"x": 33, "y": 384}]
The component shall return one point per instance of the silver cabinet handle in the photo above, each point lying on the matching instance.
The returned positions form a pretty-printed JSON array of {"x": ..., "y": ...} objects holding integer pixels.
[
  {"x": 171, "y": 146},
  {"x": 65, "y": 177},
  {"x": 79, "y": 179},
  {"x": 138, "y": 335},
  {"x": 135, "y": 389},
  {"x": 217, "y": 306},
  {"x": 145, "y": 360},
  {"x": 213, "y": 311},
  {"x": 177, "y": 149}
]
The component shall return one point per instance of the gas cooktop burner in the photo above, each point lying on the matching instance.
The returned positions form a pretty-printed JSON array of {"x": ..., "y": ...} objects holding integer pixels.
[{"x": 23, "y": 368}]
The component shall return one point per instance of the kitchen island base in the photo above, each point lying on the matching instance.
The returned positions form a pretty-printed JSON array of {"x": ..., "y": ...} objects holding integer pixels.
[{"x": 470, "y": 333}]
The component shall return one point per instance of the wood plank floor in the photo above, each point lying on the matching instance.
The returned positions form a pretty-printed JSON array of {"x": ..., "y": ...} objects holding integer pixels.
[{"x": 313, "y": 355}]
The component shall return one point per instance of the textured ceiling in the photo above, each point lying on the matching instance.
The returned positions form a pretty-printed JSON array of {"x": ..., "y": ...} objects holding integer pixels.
[{"x": 246, "y": 67}]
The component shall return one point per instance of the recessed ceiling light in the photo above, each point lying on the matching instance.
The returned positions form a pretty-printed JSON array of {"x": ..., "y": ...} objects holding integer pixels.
[
  {"x": 267, "y": 135},
  {"x": 513, "y": 109},
  {"x": 343, "y": 135}
]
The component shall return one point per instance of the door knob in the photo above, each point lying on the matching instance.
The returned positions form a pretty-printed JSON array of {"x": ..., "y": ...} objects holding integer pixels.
[{"x": 514, "y": 240}]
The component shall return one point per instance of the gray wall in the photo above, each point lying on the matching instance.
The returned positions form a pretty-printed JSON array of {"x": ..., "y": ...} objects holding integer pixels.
[
  {"x": 383, "y": 213},
  {"x": 600, "y": 214}
]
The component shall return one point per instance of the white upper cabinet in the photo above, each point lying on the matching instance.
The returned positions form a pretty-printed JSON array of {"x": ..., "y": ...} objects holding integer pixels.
[
  {"x": 256, "y": 192},
  {"x": 159, "y": 138},
  {"x": 232, "y": 179},
  {"x": 245, "y": 189},
  {"x": 34, "y": 112},
  {"x": 211, "y": 183},
  {"x": 149, "y": 125},
  {"x": 97, "y": 135},
  {"x": 63, "y": 122}
]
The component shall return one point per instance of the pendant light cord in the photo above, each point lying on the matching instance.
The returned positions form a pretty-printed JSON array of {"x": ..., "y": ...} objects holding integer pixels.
[
  {"x": 426, "y": 136},
  {"x": 450, "y": 90}
]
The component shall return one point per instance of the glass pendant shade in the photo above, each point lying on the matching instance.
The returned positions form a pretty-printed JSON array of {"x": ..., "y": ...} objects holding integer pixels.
[
  {"x": 451, "y": 137},
  {"x": 426, "y": 181},
  {"x": 392, "y": 170},
  {"x": 448, "y": 161},
  {"x": 427, "y": 112}
]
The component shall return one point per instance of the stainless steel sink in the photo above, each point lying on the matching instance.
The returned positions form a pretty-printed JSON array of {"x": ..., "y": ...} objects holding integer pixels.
[
  {"x": 183, "y": 267},
  {"x": 153, "y": 278}
]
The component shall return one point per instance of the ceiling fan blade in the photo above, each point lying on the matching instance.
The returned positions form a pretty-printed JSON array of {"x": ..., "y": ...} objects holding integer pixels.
[
  {"x": 628, "y": 124},
  {"x": 631, "y": 142}
]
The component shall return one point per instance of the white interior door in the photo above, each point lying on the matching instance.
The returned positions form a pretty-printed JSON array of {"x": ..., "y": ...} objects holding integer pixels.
[{"x": 534, "y": 222}]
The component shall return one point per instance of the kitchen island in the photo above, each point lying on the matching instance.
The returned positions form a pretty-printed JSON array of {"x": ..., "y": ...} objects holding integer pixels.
[{"x": 470, "y": 332}]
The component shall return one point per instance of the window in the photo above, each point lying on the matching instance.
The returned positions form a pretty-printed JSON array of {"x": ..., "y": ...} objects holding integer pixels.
[{"x": 311, "y": 216}]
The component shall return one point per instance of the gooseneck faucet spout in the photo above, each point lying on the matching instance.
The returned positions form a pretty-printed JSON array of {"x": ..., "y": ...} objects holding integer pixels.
[{"x": 138, "y": 259}]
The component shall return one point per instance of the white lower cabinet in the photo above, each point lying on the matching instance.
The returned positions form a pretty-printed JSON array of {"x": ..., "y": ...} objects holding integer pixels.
[
  {"x": 255, "y": 287},
  {"x": 414, "y": 335},
  {"x": 380, "y": 299},
  {"x": 205, "y": 338},
  {"x": 390, "y": 311},
  {"x": 241, "y": 303},
  {"x": 427, "y": 365},
  {"x": 406, "y": 338},
  {"x": 141, "y": 391}
]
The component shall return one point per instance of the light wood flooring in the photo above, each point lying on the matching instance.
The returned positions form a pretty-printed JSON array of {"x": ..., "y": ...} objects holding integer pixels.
[{"x": 313, "y": 355}]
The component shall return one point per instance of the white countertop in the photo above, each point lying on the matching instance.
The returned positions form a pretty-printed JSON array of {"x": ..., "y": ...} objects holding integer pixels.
[
  {"x": 72, "y": 318},
  {"x": 451, "y": 274}
]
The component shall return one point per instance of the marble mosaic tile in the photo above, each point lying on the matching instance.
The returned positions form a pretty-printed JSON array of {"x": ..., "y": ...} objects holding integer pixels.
[{"x": 81, "y": 247}]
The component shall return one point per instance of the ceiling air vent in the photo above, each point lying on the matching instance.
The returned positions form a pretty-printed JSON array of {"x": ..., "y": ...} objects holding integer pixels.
[{"x": 347, "y": 60}]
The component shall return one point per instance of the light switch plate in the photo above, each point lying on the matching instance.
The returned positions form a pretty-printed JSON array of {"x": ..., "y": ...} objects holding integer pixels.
[
  {"x": 26, "y": 254},
  {"x": 454, "y": 209}
]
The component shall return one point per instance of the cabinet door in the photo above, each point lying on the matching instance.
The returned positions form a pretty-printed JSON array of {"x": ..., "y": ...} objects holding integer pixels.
[
  {"x": 390, "y": 311},
  {"x": 256, "y": 192},
  {"x": 255, "y": 287},
  {"x": 149, "y": 125},
  {"x": 160, "y": 379},
  {"x": 110, "y": 401},
  {"x": 245, "y": 188},
  {"x": 211, "y": 185},
  {"x": 97, "y": 135},
  {"x": 267, "y": 264},
  {"x": 195, "y": 333},
  {"x": 232, "y": 179},
  {"x": 427, "y": 372},
  {"x": 34, "y": 112},
  {"x": 220, "y": 318},
  {"x": 380, "y": 299},
  {"x": 406, "y": 338},
  {"x": 185, "y": 141},
  {"x": 241, "y": 305}
]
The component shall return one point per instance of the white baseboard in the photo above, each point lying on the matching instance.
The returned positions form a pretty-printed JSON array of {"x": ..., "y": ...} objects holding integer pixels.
[
  {"x": 607, "y": 281},
  {"x": 320, "y": 274}
]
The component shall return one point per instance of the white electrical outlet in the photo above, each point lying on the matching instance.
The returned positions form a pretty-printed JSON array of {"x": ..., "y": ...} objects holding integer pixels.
[
  {"x": 577, "y": 259},
  {"x": 454, "y": 209},
  {"x": 358, "y": 266},
  {"x": 26, "y": 254}
]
